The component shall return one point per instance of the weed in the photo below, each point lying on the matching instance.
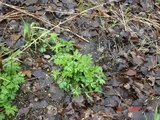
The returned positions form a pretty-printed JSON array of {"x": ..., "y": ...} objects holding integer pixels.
[
  {"x": 76, "y": 72},
  {"x": 32, "y": 32},
  {"x": 63, "y": 46},
  {"x": 11, "y": 79},
  {"x": 3, "y": 49},
  {"x": 157, "y": 113},
  {"x": 158, "y": 1}
]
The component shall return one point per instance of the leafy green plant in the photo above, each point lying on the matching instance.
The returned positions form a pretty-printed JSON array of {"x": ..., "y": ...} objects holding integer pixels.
[
  {"x": 157, "y": 113},
  {"x": 62, "y": 46},
  {"x": 3, "y": 49},
  {"x": 32, "y": 33},
  {"x": 76, "y": 72},
  {"x": 158, "y": 1},
  {"x": 10, "y": 81}
]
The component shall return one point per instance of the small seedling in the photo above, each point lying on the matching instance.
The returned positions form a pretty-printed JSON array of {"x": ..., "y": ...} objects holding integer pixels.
[
  {"x": 157, "y": 113},
  {"x": 32, "y": 33}
]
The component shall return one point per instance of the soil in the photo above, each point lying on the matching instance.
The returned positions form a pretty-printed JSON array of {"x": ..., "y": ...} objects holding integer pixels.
[{"x": 124, "y": 39}]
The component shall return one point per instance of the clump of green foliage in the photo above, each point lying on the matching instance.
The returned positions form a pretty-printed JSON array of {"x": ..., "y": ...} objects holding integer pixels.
[
  {"x": 10, "y": 81},
  {"x": 158, "y": 1},
  {"x": 157, "y": 113},
  {"x": 32, "y": 33},
  {"x": 76, "y": 72},
  {"x": 3, "y": 49}
]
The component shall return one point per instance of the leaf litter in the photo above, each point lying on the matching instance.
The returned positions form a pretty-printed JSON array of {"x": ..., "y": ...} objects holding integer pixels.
[{"x": 124, "y": 40}]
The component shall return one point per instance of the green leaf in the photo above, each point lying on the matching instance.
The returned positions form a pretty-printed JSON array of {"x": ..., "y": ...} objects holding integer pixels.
[
  {"x": 54, "y": 36},
  {"x": 55, "y": 74},
  {"x": 11, "y": 79},
  {"x": 75, "y": 72},
  {"x": 10, "y": 110},
  {"x": 27, "y": 33},
  {"x": 63, "y": 85},
  {"x": 2, "y": 116},
  {"x": 76, "y": 91}
]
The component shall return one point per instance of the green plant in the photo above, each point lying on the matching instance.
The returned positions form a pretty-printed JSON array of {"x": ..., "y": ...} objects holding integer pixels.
[
  {"x": 62, "y": 46},
  {"x": 10, "y": 81},
  {"x": 76, "y": 72},
  {"x": 31, "y": 35},
  {"x": 3, "y": 49},
  {"x": 158, "y": 1},
  {"x": 157, "y": 113}
]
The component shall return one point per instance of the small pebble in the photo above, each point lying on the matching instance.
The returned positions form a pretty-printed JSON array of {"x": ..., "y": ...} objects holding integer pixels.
[
  {"x": 49, "y": 94},
  {"x": 47, "y": 56},
  {"x": 51, "y": 110},
  {"x": 36, "y": 99}
]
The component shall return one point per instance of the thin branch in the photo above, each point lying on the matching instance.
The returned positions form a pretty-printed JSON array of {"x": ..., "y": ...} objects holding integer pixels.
[{"x": 60, "y": 23}]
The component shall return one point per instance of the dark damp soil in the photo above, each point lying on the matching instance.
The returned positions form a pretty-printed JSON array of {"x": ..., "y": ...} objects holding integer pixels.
[{"x": 124, "y": 38}]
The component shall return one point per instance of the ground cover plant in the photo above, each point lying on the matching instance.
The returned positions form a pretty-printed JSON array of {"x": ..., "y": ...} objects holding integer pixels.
[
  {"x": 120, "y": 36},
  {"x": 76, "y": 72},
  {"x": 10, "y": 81},
  {"x": 32, "y": 32}
]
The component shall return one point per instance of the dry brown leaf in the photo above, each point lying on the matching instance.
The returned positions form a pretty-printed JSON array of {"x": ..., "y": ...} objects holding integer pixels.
[
  {"x": 131, "y": 72},
  {"x": 152, "y": 79},
  {"x": 27, "y": 73},
  {"x": 134, "y": 37},
  {"x": 15, "y": 37}
]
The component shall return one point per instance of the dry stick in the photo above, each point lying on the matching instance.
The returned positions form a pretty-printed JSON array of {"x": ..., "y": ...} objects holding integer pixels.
[
  {"x": 43, "y": 20},
  {"x": 25, "y": 12},
  {"x": 54, "y": 26},
  {"x": 149, "y": 22}
]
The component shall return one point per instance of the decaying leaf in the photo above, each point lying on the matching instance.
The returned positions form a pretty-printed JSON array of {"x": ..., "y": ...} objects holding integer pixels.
[
  {"x": 130, "y": 72},
  {"x": 27, "y": 73}
]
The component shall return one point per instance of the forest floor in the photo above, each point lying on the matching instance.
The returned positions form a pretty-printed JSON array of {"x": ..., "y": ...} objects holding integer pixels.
[{"x": 123, "y": 37}]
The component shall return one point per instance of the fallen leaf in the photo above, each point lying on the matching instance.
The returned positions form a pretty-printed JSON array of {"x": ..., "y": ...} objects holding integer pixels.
[
  {"x": 78, "y": 46},
  {"x": 131, "y": 72},
  {"x": 78, "y": 101},
  {"x": 136, "y": 115},
  {"x": 127, "y": 86},
  {"x": 23, "y": 111},
  {"x": 27, "y": 73},
  {"x": 131, "y": 109},
  {"x": 30, "y": 2},
  {"x": 139, "y": 85},
  {"x": 152, "y": 79},
  {"x": 138, "y": 60},
  {"x": 133, "y": 37},
  {"x": 119, "y": 109},
  {"x": 87, "y": 113},
  {"x": 15, "y": 37},
  {"x": 40, "y": 62}
]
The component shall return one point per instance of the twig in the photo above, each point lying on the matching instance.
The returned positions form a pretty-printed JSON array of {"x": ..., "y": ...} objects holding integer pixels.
[
  {"x": 47, "y": 22},
  {"x": 149, "y": 22},
  {"x": 54, "y": 26},
  {"x": 71, "y": 18},
  {"x": 25, "y": 12}
]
